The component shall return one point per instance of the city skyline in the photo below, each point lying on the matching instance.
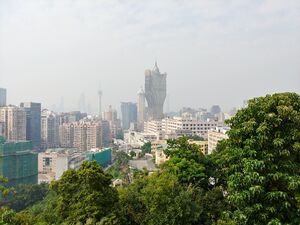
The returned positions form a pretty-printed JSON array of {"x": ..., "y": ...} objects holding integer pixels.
[{"x": 61, "y": 49}]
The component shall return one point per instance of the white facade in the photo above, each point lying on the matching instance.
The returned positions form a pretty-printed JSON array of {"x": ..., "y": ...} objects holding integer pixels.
[
  {"x": 187, "y": 125},
  {"x": 216, "y": 135},
  {"x": 14, "y": 120},
  {"x": 154, "y": 127},
  {"x": 141, "y": 109},
  {"x": 54, "y": 162},
  {"x": 49, "y": 129}
]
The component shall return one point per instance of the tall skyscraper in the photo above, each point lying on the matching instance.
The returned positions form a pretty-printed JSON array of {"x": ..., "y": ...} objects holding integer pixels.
[
  {"x": 155, "y": 92},
  {"x": 141, "y": 109},
  {"x": 33, "y": 123},
  {"x": 129, "y": 114},
  {"x": 14, "y": 119},
  {"x": 111, "y": 116},
  {"x": 2, "y": 97},
  {"x": 81, "y": 103},
  {"x": 49, "y": 129},
  {"x": 100, "y": 103}
]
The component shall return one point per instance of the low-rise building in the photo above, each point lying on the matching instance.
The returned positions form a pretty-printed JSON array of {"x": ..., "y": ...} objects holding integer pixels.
[
  {"x": 203, "y": 146},
  {"x": 54, "y": 162},
  {"x": 101, "y": 156},
  {"x": 154, "y": 127},
  {"x": 180, "y": 126},
  {"x": 216, "y": 135}
]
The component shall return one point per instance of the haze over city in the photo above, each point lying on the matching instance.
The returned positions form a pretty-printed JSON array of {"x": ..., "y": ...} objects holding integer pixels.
[{"x": 218, "y": 52}]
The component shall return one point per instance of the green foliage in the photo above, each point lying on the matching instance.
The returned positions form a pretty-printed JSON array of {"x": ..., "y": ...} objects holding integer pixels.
[
  {"x": 260, "y": 161},
  {"x": 188, "y": 163},
  {"x": 195, "y": 138},
  {"x": 252, "y": 178},
  {"x": 146, "y": 148},
  {"x": 84, "y": 193},
  {"x": 160, "y": 199},
  {"x": 4, "y": 191},
  {"x": 28, "y": 194},
  {"x": 132, "y": 154},
  {"x": 45, "y": 211},
  {"x": 120, "y": 169}
]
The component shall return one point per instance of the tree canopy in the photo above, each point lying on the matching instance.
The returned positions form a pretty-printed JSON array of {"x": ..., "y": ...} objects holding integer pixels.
[{"x": 261, "y": 161}]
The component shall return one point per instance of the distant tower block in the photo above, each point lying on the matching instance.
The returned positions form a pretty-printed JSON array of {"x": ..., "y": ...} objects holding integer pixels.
[
  {"x": 100, "y": 103},
  {"x": 155, "y": 92},
  {"x": 141, "y": 109}
]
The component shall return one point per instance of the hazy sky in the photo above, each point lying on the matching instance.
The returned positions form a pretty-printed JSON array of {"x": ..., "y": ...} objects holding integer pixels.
[{"x": 214, "y": 52}]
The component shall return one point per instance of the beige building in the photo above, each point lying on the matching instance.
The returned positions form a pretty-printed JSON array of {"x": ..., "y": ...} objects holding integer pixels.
[
  {"x": 158, "y": 147},
  {"x": 14, "y": 120},
  {"x": 83, "y": 135},
  {"x": 111, "y": 116},
  {"x": 154, "y": 127},
  {"x": 66, "y": 135},
  {"x": 216, "y": 135},
  {"x": 203, "y": 146},
  {"x": 49, "y": 129},
  {"x": 54, "y": 162}
]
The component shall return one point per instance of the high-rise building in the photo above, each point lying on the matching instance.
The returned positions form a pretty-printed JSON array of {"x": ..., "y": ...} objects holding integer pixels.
[
  {"x": 66, "y": 135},
  {"x": 14, "y": 119},
  {"x": 81, "y": 103},
  {"x": 2, "y": 97},
  {"x": 18, "y": 163},
  {"x": 141, "y": 109},
  {"x": 49, "y": 129},
  {"x": 100, "y": 103},
  {"x": 215, "y": 109},
  {"x": 83, "y": 135},
  {"x": 155, "y": 92},
  {"x": 70, "y": 117},
  {"x": 106, "y": 133},
  {"x": 111, "y": 116},
  {"x": 33, "y": 123},
  {"x": 129, "y": 114}
]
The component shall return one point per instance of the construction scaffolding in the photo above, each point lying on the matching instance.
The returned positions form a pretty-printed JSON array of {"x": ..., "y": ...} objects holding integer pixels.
[{"x": 18, "y": 163}]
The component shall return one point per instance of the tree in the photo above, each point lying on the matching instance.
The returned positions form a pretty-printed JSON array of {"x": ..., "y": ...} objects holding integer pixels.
[
  {"x": 261, "y": 161},
  {"x": 188, "y": 163},
  {"x": 160, "y": 199},
  {"x": 195, "y": 138},
  {"x": 28, "y": 194},
  {"x": 146, "y": 148},
  {"x": 84, "y": 194},
  {"x": 132, "y": 154},
  {"x": 4, "y": 191},
  {"x": 7, "y": 215}
]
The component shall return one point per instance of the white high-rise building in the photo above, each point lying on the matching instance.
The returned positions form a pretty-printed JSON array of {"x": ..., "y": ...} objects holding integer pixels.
[
  {"x": 141, "y": 109},
  {"x": 49, "y": 129},
  {"x": 14, "y": 119},
  {"x": 2, "y": 97}
]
